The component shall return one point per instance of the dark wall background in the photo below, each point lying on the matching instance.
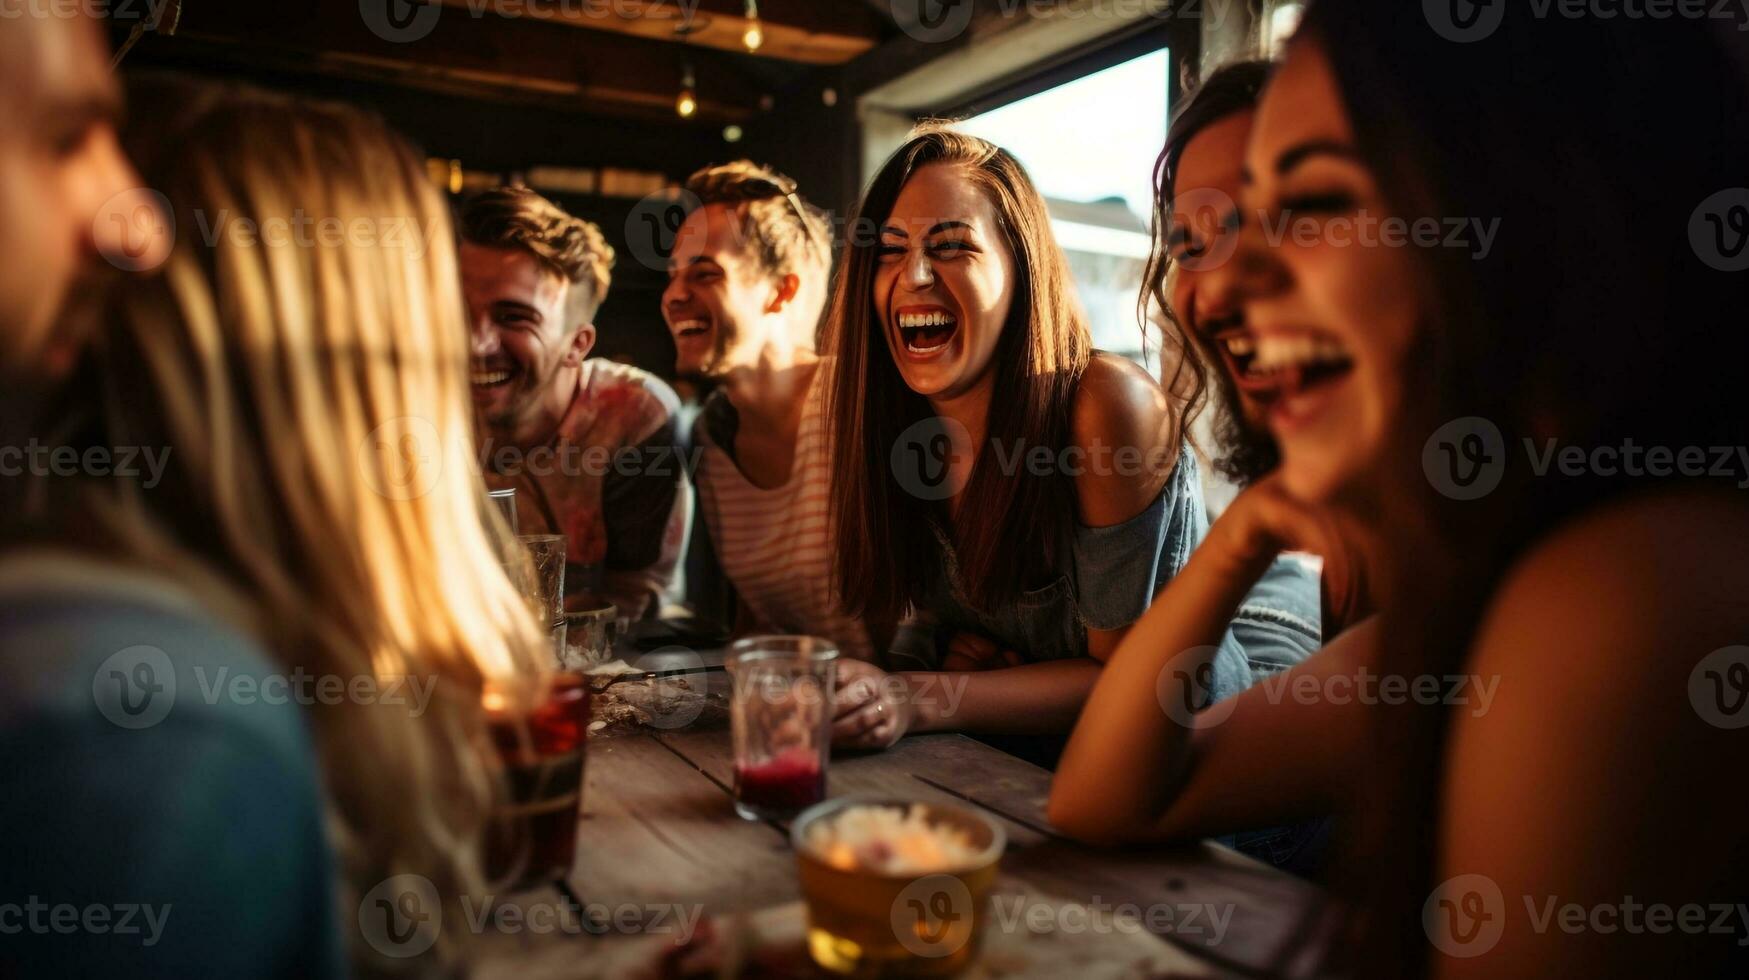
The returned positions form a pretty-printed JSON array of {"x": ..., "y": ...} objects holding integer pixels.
[{"x": 799, "y": 135}]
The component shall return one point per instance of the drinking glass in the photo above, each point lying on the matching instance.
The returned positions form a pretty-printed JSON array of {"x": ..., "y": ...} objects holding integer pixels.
[
  {"x": 780, "y": 718},
  {"x": 924, "y": 923},
  {"x": 505, "y": 501},
  {"x": 544, "y": 585},
  {"x": 533, "y": 837}
]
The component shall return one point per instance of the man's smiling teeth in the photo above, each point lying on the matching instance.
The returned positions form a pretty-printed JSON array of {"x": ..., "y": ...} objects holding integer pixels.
[
  {"x": 490, "y": 377},
  {"x": 1276, "y": 352},
  {"x": 685, "y": 327}
]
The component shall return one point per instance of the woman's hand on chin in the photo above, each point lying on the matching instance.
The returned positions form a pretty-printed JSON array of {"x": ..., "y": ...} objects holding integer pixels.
[
  {"x": 1264, "y": 521},
  {"x": 871, "y": 708}
]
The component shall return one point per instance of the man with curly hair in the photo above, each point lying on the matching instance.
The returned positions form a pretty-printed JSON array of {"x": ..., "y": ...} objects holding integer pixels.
[{"x": 589, "y": 445}]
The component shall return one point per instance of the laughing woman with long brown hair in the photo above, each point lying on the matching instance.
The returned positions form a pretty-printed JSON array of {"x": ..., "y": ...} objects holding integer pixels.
[{"x": 1015, "y": 494}]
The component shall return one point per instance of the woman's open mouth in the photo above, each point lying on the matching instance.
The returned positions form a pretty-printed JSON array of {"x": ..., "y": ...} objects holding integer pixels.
[
  {"x": 1283, "y": 364},
  {"x": 925, "y": 331}
]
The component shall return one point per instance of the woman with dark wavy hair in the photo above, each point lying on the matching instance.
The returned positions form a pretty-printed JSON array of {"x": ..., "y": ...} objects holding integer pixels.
[
  {"x": 1105, "y": 787},
  {"x": 1498, "y": 259}
]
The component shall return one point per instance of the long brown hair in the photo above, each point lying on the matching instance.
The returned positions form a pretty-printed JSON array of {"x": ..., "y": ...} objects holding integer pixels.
[
  {"x": 1593, "y": 318},
  {"x": 885, "y": 552}
]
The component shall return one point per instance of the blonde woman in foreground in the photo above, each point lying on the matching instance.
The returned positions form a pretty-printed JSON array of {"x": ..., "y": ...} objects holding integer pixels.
[{"x": 300, "y": 355}]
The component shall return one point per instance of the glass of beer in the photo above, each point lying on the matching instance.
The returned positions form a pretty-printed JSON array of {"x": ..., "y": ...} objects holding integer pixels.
[
  {"x": 780, "y": 718},
  {"x": 895, "y": 888}
]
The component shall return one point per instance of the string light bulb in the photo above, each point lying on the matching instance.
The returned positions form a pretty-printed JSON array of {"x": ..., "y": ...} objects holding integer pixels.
[
  {"x": 687, "y": 104},
  {"x": 755, "y": 36}
]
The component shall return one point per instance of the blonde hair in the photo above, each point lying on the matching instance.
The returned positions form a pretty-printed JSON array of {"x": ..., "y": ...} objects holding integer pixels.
[
  {"x": 786, "y": 234},
  {"x": 564, "y": 245},
  {"x": 319, "y": 492}
]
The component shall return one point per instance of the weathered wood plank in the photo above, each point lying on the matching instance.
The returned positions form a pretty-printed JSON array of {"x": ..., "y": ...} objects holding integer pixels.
[
  {"x": 1203, "y": 896},
  {"x": 656, "y": 830}
]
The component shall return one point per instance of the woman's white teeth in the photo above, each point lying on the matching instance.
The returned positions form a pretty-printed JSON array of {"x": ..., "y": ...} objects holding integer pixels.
[
  {"x": 1275, "y": 352},
  {"x": 1241, "y": 346},
  {"x": 907, "y": 320},
  {"x": 490, "y": 377}
]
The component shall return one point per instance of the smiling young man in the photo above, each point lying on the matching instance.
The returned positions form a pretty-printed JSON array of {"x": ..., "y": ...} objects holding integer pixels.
[
  {"x": 747, "y": 280},
  {"x": 589, "y": 445}
]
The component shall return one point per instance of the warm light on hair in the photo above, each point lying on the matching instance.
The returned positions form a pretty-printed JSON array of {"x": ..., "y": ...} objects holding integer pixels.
[
  {"x": 566, "y": 246},
  {"x": 319, "y": 490}
]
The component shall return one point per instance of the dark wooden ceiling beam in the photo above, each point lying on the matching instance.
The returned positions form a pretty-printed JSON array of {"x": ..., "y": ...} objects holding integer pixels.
[
  {"x": 489, "y": 57},
  {"x": 820, "y": 32}
]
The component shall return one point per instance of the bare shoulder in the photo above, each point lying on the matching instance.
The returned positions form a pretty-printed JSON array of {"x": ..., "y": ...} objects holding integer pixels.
[
  {"x": 1653, "y": 568},
  {"x": 1123, "y": 424},
  {"x": 1588, "y": 689},
  {"x": 1606, "y": 620}
]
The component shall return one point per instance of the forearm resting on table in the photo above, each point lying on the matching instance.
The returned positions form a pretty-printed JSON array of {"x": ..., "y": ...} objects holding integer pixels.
[
  {"x": 1132, "y": 771},
  {"x": 1032, "y": 699}
]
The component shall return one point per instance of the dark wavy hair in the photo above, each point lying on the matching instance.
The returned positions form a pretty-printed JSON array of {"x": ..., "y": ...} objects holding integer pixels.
[
  {"x": 1191, "y": 367},
  {"x": 1593, "y": 318}
]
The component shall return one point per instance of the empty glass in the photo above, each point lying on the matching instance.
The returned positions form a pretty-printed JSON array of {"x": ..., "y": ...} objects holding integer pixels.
[
  {"x": 780, "y": 714},
  {"x": 543, "y": 584},
  {"x": 505, "y": 502}
]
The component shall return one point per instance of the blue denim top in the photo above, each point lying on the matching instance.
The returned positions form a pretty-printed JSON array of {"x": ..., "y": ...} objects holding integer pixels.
[{"x": 1107, "y": 581}]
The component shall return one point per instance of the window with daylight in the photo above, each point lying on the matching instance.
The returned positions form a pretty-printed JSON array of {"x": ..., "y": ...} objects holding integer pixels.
[{"x": 1090, "y": 146}]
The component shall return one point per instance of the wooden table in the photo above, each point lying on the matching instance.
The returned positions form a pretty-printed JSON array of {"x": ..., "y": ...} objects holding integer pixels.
[{"x": 659, "y": 832}]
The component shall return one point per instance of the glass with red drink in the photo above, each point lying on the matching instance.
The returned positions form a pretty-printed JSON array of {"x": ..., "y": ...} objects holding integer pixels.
[
  {"x": 780, "y": 717},
  {"x": 533, "y": 838}
]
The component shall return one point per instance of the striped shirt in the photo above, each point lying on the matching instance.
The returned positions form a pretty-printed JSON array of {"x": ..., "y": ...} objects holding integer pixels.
[{"x": 774, "y": 544}]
